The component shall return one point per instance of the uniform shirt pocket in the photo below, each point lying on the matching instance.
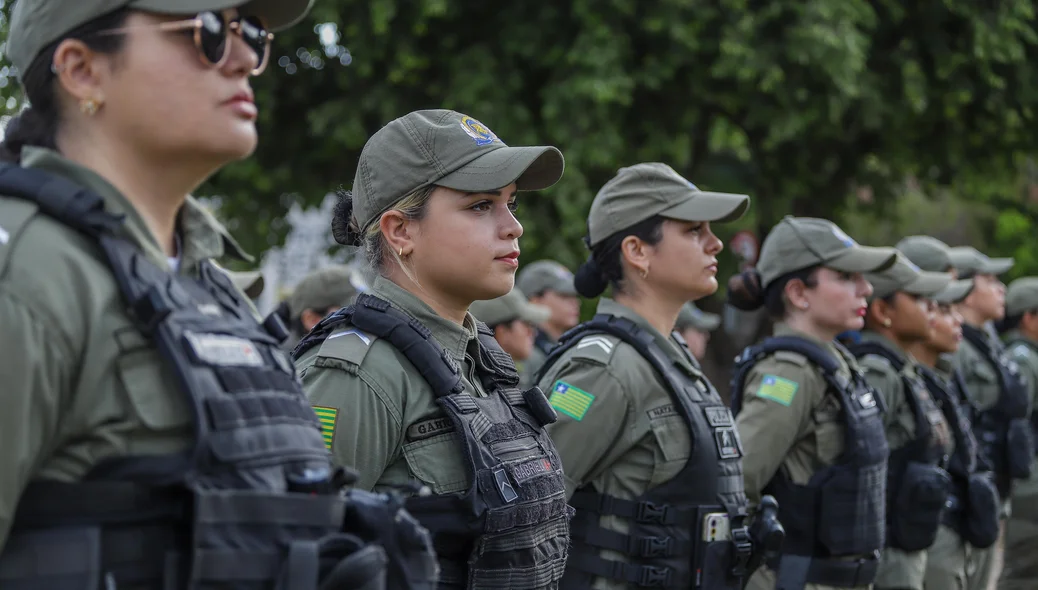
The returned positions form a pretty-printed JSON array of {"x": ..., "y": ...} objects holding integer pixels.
[
  {"x": 674, "y": 447},
  {"x": 438, "y": 462}
]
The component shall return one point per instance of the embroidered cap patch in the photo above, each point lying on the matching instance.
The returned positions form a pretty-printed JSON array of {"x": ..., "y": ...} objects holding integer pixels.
[
  {"x": 570, "y": 400},
  {"x": 778, "y": 389}
]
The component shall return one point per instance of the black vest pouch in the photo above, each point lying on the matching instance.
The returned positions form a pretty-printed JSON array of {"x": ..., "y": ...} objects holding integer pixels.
[
  {"x": 980, "y": 523},
  {"x": 845, "y": 494},
  {"x": 67, "y": 558},
  {"x": 918, "y": 504},
  {"x": 1020, "y": 448}
]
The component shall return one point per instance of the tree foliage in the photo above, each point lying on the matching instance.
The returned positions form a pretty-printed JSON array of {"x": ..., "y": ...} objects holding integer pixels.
[{"x": 792, "y": 101}]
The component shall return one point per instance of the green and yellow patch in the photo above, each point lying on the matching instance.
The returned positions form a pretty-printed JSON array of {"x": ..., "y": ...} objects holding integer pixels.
[
  {"x": 327, "y": 417},
  {"x": 569, "y": 400},
  {"x": 778, "y": 389}
]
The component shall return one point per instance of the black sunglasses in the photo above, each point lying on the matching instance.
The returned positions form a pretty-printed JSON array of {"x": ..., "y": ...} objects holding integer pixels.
[{"x": 211, "y": 32}]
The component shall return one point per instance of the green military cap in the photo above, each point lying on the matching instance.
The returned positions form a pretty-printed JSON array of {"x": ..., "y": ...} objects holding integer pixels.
[
  {"x": 797, "y": 243},
  {"x": 35, "y": 24},
  {"x": 641, "y": 191},
  {"x": 331, "y": 286},
  {"x": 545, "y": 275},
  {"x": 955, "y": 292},
  {"x": 509, "y": 307},
  {"x": 927, "y": 253},
  {"x": 445, "y": 148},
  {"x": 908, "y": 278},
  {"x": 691, "y": 316},
  {"x": 249, "y": 282},
  {"x": 1022, "y": 296},
  {"x": 969, "y": 261}
]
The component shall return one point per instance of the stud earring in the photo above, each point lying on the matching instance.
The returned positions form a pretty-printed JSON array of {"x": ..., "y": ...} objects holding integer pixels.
[
  {"x": 400, "y": 252},
  {"x": 886, "y": 322},
  {"x": 89, "y": 106}
]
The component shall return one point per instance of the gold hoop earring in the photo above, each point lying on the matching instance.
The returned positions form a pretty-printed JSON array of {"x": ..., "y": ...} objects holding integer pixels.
[
  {"x": 89, "y": 106},
  {"x": 645, "y": 273}
]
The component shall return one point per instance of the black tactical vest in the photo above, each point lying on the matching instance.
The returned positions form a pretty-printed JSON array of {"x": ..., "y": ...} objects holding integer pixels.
[
  {"x": 1003, "y": 430},
  {"x": 251, "y": 505},
  {"x": 669, "y": 523},
  {"x": 917, "y": 484},
  {"x": 973, "y": 505},
  {"x": 841, "y": 512},
  {"x": 1034, "y": 415},
  {"x": 510, "y": 529}
]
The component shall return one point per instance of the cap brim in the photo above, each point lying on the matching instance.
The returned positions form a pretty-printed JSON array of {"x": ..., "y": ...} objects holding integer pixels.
[
  {"x": 862, "y": 259},
  {"x": 530, "y": 168},
  {"x": 997, "y": 266},
  {"x": 278, "y": 14},
  {"x": 955, "y": 292},
  {"x": 565, "y": 288},
  {"x": 704, "y": 206},
  {"x": 534, "y": 314},
  {"x": 928, "y": 284},
  {"x": 707, "y": 322}
]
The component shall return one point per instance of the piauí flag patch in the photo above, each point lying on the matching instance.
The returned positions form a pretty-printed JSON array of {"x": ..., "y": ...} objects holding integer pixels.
[
  {"x": 327, "y": 417},
  {"x": 571, "y": 401}
]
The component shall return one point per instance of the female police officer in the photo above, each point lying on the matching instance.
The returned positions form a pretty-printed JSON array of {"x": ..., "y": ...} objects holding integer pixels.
[
  {"x": 152, "y": 433},
  {"x": 900, "y": 314},
  {"x": 810, "y": 426},
  {"x": 411, "y": 388},
  {"x": 652, "y": 461}
]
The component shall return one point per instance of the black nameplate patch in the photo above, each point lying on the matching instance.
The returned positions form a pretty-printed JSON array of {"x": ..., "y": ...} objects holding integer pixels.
[
  {"x": 662, "y": 412},
  {"x": 429, "y": 428},
  {"x": 718, "y": 416}
]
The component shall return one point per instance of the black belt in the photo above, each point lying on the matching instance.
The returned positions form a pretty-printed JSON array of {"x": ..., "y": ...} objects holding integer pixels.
[
  {"x": 646, "y": 576},
  {"x": 795, "y": 571}
]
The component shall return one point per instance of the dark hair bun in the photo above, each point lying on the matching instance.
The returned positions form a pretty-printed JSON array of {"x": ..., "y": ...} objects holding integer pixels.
[
  {"x": 30, "y": 127},
  {"x": 745, "y": 291},
  {"x": 588, "y": 280},
  {"x": 343, "y": 229}
]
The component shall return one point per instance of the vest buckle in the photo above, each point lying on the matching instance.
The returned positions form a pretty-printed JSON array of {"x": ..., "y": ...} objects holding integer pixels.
[
  {"x": 655, "y": 546},
  {"x": 651, "y": 513},
  {"x": 743, "y": 552},
  {"x": 653, "y": 576}
]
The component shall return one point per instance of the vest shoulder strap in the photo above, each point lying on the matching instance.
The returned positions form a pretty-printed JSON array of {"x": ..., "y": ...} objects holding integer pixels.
[
  {"x": 866, "y": 348},
  {"x": 804, "y": 348},
  {"x": 377, "y": 317},
  {"x": 597, "y": 339},
  {"x": 60, "y": 198}
]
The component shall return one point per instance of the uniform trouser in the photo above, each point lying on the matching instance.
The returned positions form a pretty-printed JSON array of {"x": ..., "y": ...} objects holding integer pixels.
[
  {"x": 901, "y": 570},
  {"x": 1021, "y": 561},
  {"x": 764, "y": 579},
  {"x": 989, "y": 563},
  {"x": 948, "y": 562}
]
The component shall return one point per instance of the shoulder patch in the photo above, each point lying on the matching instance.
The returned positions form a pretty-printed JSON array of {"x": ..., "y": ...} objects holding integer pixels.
[
  {"x": 348, "y": 344},
  {"x": 778, "y": 389},
  {"x": 571, "y": 401},
  {"x": 327, "y": 417},
  {"x": 791, "y": 357},
  {"x": 1020, "y": 351}
]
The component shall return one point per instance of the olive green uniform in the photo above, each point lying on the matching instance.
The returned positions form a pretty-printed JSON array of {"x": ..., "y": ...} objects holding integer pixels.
[
  {"x": 983, "y": 389},
  {"x": 801, "y": 434},
  {"x": 629, "y": 437},
  {"x": 80, "y": 382},
  {"x": 898, "y": 568},
  {"x": 950, "y": 561},
  {"x": 528, "y": 368},
  {"x": 1021, "y": 562},
  {"x": 379, "y": 414}
]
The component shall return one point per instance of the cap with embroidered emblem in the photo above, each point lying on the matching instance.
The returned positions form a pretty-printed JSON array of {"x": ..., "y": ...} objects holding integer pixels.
[
  {"x": 642, "y": 191},
  {"x": 802, "y": 242},
  {"x": 444, "y": 148}
]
